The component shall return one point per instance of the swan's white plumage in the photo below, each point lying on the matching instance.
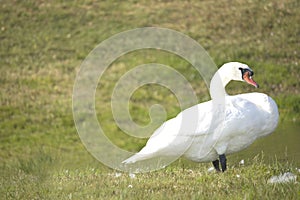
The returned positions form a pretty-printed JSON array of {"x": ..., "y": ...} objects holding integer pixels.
[{"x": 246, "y": 118}]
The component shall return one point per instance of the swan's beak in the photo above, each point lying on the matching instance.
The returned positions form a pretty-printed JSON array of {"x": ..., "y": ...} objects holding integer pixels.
[{"x": 248, "y": 78}]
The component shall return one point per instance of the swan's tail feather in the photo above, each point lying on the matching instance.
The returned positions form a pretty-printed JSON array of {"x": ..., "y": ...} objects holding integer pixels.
[{"x": 136, "y": 157}]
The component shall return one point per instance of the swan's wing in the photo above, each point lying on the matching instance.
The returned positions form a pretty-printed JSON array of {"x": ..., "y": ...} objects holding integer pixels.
[
  {"x": 262, "y": 101},
  {"x": 174, "y": 136},
  {"x": 258, "y": 113}
]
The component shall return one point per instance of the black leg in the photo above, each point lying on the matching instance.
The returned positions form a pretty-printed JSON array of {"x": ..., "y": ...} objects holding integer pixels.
[
  {"x": 223, "y": 162},
  {"x": 216, "y": 165}
]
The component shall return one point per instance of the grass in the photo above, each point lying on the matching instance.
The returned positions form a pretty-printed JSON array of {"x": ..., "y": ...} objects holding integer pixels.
[
  {"x": 42, "y": 46},
  {"x": 181, "y": 180}
]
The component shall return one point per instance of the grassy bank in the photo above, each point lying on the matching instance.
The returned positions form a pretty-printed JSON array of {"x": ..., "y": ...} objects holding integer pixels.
[
  {"x": 181, "y": 180},
  {"x": 42, "y": 44}
]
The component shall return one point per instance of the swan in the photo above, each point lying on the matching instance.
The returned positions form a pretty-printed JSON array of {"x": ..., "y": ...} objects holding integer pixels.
[{"x": 220, "y": 129}]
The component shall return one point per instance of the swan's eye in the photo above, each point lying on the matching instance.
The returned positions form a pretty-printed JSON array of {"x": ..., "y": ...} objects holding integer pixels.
[{"x": 243, "y": 70}]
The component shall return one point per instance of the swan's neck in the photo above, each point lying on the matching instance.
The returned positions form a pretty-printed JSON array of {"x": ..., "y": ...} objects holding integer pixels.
[{"x": 217, "y": 85}]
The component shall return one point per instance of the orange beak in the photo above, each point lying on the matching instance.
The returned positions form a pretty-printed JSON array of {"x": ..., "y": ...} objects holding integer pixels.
[{"x": 249, "y": 79}]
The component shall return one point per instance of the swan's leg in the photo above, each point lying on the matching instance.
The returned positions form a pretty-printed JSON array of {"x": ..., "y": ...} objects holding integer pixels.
[
  {"x": 223, "y": 162},
  {"x": 216, "y": 165}
]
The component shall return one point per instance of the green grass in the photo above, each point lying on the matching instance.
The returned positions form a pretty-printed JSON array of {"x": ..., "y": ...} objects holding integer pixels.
[
  {"x": 181, "y": 180},
  {"x": 42, "y": 44}
]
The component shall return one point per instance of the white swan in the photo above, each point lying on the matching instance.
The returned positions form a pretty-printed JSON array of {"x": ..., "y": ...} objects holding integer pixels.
[{"x": 224, "y": 125}]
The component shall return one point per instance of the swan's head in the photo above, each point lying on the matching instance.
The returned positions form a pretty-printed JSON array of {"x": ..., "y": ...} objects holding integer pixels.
[{"x": 241, "y": 72}]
